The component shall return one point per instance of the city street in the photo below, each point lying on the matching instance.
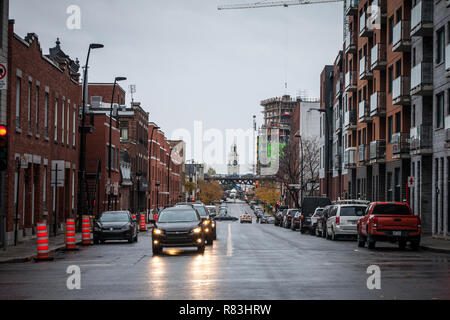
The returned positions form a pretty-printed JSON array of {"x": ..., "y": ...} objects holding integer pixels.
[{"x": 246, "y": 262}]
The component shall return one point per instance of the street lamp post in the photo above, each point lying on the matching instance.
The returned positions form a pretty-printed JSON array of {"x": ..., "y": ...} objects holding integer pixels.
[
  {"x": 117, "y": 79},
  {"x": 150, "y": 163},
  {"x": 168, "y": 176},
  {"x": 82, "y": 168},
  {"x": 301, "y": 168}
]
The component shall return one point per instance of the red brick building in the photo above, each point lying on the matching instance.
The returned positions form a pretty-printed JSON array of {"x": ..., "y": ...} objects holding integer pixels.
[{"x": 43, "y": 100}]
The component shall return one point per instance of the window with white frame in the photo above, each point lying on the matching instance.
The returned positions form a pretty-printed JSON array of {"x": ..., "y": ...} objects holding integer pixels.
[
  {"x": 36, "y": 119},
  {"x": 46, "y": 114},
  {"x": 62, "y": 122},
  {"x": 74, "y": 125},
  {"x": 29, "y": 106},
  {"x": 56, "y": 120},
  {"x": 18, "y": 101}
]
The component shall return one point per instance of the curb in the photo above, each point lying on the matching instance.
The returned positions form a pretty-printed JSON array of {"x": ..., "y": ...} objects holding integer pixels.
[
  {"x": 32, "y": 257},
  {"x": 437, "y": 250}
]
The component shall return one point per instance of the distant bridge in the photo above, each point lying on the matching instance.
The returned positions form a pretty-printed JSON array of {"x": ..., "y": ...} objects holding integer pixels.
[{"x": 248, "y": 180}]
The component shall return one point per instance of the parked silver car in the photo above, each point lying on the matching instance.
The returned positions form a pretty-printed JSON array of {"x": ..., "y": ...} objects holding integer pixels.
[{"x": 343, "y": 220}]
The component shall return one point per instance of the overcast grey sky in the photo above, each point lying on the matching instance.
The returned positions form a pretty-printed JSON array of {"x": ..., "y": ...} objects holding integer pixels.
[{"x": 190, "y": 61}]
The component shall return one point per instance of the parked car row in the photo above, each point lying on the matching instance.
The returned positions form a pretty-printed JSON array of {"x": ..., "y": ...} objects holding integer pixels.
[{"x": 365, "y": 222}]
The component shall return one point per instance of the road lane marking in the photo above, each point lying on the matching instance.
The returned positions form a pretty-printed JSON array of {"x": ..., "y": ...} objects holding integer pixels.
[{"x": 229, "y": 243}]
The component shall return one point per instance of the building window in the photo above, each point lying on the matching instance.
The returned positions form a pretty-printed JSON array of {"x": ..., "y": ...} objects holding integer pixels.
[
  {"x": 391, "y": 29},
  {"x": 46, "y": 115},
  {"x": 124, "y": 134},
  {"x": 62, "y": 123},
  {"x": 56, "y": 120},
  {"x": 29, "y": 107},
  {"x": 18, "y": 101},
  {"x": 44, "y": 188},
  {"x": 398, "y": 122},
  {"x": 440, "y": 110},
  {"x": 74, "y": 126},
  {"x": 391, "y": 78},
  {"x": 440, "y": 46},
  {"x": 398, "y": 185},
  {"x": 68, "y": 124},
  {"x": 390, "y": 129},
  {"x": 389, "y": 186},
  {"x": 36, "y": 123},
  {"x": 413, "y": 116}
]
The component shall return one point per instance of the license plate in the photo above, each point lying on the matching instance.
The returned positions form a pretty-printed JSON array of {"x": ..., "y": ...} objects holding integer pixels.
[{"x": 397, "y": 233}]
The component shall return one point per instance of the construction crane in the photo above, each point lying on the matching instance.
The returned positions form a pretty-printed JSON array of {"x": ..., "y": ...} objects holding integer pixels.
[{"x": 262, "y": 4}]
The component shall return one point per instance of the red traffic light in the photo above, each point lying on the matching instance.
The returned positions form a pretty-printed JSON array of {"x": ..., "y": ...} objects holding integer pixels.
[{"x": 3, "y": 131}]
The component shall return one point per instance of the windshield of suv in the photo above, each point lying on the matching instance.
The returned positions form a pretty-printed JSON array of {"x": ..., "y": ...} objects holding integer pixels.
[
  {"x": 174, "y": 216},
  {"x": 115, "y": 217},
  {"x": 201, "y": 210},
  {"x": 352, "y": 211},
  {"x": 391, "y": 209}
]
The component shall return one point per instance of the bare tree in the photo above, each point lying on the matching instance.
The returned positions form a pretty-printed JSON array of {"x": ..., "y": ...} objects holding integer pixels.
[{"x": 293, "y": 170}]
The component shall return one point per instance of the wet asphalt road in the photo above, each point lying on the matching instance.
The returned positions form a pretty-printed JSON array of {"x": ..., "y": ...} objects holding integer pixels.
[{"x": 246, "y": 262}]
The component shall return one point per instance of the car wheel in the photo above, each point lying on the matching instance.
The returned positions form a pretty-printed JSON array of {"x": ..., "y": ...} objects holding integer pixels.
[
  {"x": 333, "y": 235},
  {"x": 415, "y": 245},
  {"x": 402, "y": 244},
  {"x": 361, "y": 241},
  {"x": 371, "y": 243},
  {"x": 323, "y": 233},
  {"x": 209, "y": 242},
  {"x": 131, "y": 239},
  {"x": 201, "y": 249},
  {"x": 156, "y": 251},
  {"x": 328, "y": 235},
  {"x": 302, "y": 230},
  {"x": 317, "y": 232},
  {"x": 96, "y": 241}
]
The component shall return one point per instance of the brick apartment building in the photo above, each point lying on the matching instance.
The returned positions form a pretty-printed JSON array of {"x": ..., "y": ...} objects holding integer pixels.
[
  {"x": 44, "y": 94},
  {"x": 397, "y": 120},
  {"x": 4, "y": 12}
]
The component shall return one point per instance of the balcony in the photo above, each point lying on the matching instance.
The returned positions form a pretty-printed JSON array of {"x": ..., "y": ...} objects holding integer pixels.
[
  {"x": 350, "y": 42},
  {"x": 365, "y": 72},
  {"x": 422, "y": 79},
  {"x": 363, "y": 154},
  {"x": 400, "y": 145},
  {"x": 401, "y": 40},
  {"x": 422, "y": 19},
  {"x": 364, "y": 112},
  {"x": 339, "y": 87},
  {"x": 350, "y": 81},
  {"x": 378, "y": 12},
  {"x": 350, "y": 120},
  {"x": 350, "y": 158},
  {"x": 337, "y": 164},
  {"x": 339, "y": 124},
  {"x": 351, "y": 7},
  {"x": 378, "y": 151},
  {"x": 378, "y": 104},
  {"x": 447, "y": 60},
  {"x": 365, "y": 29},
  {"x": 378, "y": 57},
  {"x": 421, "y": 140},
  {"x": 401, "y": 91}
]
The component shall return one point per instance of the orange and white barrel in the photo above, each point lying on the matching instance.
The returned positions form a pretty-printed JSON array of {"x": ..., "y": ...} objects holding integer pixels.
[
  {"x": 143, "y": 226},
  {"x": 71, "y": 241},
  {"x": 43, "y": 250},
  {"x": 86, "y": 231}
]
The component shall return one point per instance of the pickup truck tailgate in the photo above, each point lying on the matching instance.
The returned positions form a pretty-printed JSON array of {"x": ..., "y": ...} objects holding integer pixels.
[{"x": 397, "y": 222}]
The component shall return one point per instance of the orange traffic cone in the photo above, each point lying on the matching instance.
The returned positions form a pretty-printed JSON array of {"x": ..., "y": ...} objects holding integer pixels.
[
  {"x": 143, "y": 223},
  {"x": 70, "y": 235},
  {"x": 86, "y": 231},
  {"x": 43, "y": 251}
]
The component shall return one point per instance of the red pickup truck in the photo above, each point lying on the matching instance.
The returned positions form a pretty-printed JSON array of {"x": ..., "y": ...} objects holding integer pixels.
[{"x": 389, "y": 221}]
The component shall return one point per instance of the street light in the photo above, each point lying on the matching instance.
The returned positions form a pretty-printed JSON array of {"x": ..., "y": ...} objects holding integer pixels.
[
  {"x": 150, "y": 162},
  {"x": 117, "y": 79},
  {"x": 168, "y": 176},
  {"x": 82, "y": 170}
]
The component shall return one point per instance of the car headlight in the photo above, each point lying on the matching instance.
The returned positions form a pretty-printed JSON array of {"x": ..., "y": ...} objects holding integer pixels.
[
  {"x": 158, "y": 232},
  {"x": 127, "y": 227},
  {"x": 206, "y": 222},
  {"x": 197, "y": 230},
  {"x": 213, "y": 224}
]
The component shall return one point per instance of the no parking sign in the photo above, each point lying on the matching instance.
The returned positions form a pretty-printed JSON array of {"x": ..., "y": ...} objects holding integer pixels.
[{"x": 3, "y": 76}]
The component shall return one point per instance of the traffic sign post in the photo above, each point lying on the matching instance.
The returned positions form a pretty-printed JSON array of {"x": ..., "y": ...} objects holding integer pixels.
[
  {"x": 3, "y": 76},
  {"x": 409, "y": 185}
]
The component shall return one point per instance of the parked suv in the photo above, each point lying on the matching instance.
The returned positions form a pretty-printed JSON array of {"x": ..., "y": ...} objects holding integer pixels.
[
  {"x": 309, "y": 206},
  {"x": 343, "y": 219},
  {"x": 279, "y": 218},
  {"x": 287, "y": 218},
  {"x": 389, "y": 221}
]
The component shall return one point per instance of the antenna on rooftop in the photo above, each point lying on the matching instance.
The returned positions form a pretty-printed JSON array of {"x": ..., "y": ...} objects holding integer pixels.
[{"x": 132, "y": 91}]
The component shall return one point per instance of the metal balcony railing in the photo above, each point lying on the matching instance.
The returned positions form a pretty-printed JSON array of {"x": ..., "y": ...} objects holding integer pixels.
[
  {"x": 350, "y": 120},
  {"x": 363, "y": 153},
  {"x": 350, "y": 157},
  {"x": 401, "y": 40},
  {"x": 364, "y": 29},
  {"x": 350, "y": 81},
  {"x": 350, "y": 42},
  {"x": 364, "y": 111},
  {"x": 378, "y": 104},
  {"x": 421, "y": 137},
  {"x": 422, "y": 18},
  {"x": 401, "y": 90},
  {"x": 422, "y": 78},
  {"x": 365, "y": 70},
  {"x": 378, "y": 150},
  {"x": 338, "y": 86},
  {"x": 400, "y": 143},
  {"x": 339, "y": 124},
  {"x": 378, "y": 56}
]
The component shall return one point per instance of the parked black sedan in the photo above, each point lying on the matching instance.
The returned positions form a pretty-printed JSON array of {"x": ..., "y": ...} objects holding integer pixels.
[
  {"x": 115, "y": 225},
  {"x": 178, "y": 227}
]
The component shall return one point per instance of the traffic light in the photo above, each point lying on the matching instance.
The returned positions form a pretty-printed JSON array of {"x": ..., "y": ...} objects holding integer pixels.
[
  {"x": 257, "y": 184},
  {"x": 3, "y": 148}
]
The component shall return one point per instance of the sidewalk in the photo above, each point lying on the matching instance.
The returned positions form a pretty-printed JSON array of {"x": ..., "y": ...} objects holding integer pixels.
[
  {"x": 435, "y": 245},
  {"x": 27, "y": 250}
]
